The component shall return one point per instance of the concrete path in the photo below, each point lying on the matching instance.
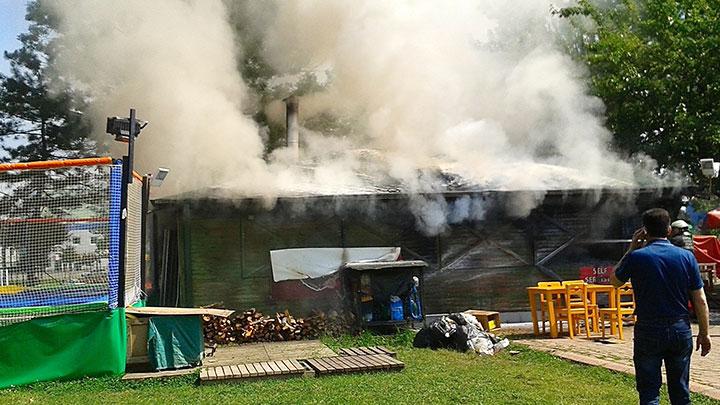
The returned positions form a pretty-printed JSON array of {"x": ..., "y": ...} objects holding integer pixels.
[{"x": 616, "y": 355}]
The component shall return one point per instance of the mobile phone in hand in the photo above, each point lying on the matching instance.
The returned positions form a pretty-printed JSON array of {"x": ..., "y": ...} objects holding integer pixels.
[{"x": 639, "y": 238}]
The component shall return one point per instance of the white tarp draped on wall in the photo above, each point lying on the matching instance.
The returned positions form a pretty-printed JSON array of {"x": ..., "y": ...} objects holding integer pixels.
[{"x": 298, "y": 264}]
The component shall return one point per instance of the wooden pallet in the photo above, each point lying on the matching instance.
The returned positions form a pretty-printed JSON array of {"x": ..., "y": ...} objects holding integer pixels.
[
  {"x": 367, "y": 350},
  {"x": 354, "y": 364},
  {"x": 252, "y": 371}
]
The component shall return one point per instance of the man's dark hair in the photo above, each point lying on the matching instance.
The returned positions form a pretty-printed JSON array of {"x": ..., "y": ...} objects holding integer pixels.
[{"x": 656, "y": 222}]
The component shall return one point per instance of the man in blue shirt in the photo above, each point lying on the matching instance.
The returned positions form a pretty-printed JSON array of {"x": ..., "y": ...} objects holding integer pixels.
[{"x": 664, "y": 278}]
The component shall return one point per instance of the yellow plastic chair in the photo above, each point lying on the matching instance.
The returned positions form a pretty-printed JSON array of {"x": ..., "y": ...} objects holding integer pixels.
[
  {"x": 624, "y": 306},
  {"x": 543, "y": 301},
  {"x": 575, "y": 309},
  {"x": 548, "y": 284}
]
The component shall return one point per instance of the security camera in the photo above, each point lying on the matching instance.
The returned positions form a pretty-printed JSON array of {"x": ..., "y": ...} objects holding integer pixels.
[
  {"x": 159, "y": 176},
  {"x": 710, "y": 168}
]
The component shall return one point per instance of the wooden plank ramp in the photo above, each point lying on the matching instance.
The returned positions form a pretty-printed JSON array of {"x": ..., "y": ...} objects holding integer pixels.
[
  {"x": 158, "y": 374},
  {"x": 367, "y": 350},
  {"x": 252, "y": 371},
  {"x": 355, "y": 363}
]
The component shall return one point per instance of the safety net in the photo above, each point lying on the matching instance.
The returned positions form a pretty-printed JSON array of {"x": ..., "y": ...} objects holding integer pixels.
[
  {"x": 133, "y": 244},
  {"x": 59, "y": 238}
]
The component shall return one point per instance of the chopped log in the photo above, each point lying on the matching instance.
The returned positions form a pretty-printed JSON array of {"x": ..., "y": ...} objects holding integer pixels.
[{"x": 253, "y": 326}]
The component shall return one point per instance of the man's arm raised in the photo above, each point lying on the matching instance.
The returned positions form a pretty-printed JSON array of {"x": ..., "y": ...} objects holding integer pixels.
[{"x": 638, "y": 241}]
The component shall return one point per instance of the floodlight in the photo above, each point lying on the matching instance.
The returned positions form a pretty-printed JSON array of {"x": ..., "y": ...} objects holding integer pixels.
[
  {"x": 159, "y": 176},
  {"x": 710, "y": 168},
  {"x": 120, "y": 127}
]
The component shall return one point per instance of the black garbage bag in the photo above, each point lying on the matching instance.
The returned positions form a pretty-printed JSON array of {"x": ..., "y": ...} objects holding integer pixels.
[
  {"x": 422, "y": 339},
  {"x": 460, "y": 332},
  {"x": 439, "y": 334},
  {"x": 443, "y": 327},
  {"x": 460, "y": 338},
  {"x": 458, "y": 319}
]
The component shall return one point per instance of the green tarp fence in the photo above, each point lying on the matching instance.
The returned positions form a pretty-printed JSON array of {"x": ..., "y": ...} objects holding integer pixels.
[{"x": 63, "y": 347}]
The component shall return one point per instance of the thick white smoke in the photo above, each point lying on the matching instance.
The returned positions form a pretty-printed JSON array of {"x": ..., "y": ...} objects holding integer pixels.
[
  {"x": 476, "y": 88},
  {"x": 175, "y": 62}
]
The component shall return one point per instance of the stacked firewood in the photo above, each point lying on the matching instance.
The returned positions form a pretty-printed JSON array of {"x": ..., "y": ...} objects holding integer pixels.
[
  {"x": 333, "y": 323},
  {"x": 253, "y": 326},
  {"x": 218, "y": 329}
]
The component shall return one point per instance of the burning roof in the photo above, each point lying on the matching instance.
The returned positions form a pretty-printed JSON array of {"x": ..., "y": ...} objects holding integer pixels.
[{"x": 439, "y": 178}]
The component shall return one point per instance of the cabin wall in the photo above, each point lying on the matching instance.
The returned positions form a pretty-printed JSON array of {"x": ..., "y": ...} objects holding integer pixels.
[
  {"x": 484, "y": 265},
  {"x": 223, "y": 252}
]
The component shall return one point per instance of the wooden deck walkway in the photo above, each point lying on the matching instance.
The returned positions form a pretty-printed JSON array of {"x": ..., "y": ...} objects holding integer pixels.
[
  {"x": 351, "y": 360},
  {"x": 354, "y": 364},
  {"x": 367, "y": 350},
  {"x": 252, "y": 371}
]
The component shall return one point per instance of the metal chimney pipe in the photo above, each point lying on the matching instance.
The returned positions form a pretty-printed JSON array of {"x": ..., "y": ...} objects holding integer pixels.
[{"x": 292, "y": 126}]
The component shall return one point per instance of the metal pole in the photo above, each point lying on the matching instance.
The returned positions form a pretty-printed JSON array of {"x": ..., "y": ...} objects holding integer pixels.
[
  {"x": 131, "y": 145},
  {"x": 292, "y": 127},
  {"x": 143, "y": 230},
  {"x": 711, "y": 186}
]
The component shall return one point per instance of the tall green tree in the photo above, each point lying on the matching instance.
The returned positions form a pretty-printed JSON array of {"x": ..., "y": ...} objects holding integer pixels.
[
  {"x": 39, "y": 115},
  {"x": 654, "y": 64},
  {"x": 40, "y": 119}
]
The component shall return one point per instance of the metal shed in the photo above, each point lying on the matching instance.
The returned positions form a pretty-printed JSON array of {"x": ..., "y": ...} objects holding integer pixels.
[{"x": 369, "y": 286}]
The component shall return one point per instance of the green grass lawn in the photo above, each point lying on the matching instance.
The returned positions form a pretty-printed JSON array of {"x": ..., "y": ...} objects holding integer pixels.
[{"x": 441, "y": 376}]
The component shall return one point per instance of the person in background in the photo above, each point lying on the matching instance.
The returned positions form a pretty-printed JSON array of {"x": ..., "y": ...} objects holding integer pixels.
[
  {"x": 680, "y": 235},
  {"x": 664, "y": 278}
]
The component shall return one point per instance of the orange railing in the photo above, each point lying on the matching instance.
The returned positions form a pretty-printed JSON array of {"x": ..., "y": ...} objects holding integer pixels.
[{"x": 54, "y": 164}]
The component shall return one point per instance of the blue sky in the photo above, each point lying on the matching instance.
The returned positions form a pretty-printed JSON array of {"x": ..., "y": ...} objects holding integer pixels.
[{"x": 12, "y": 23}]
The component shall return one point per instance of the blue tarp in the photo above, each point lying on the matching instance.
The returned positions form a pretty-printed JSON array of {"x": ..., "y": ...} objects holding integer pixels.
[{"x": 31, "y": 298}]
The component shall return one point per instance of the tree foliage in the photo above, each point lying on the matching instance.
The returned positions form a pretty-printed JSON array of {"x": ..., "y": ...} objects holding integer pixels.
[
  {"x": 40, "y": 119},
  {"x": 39, "y": 115},
  {"x": 654, "y": 64}
]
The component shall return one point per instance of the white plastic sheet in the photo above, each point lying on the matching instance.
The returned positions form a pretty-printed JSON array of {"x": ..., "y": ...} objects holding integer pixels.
[{"x": 298, "y": 264}]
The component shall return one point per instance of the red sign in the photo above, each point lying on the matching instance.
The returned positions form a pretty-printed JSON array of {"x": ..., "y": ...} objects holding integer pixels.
[{"x": 596, "y": 275}]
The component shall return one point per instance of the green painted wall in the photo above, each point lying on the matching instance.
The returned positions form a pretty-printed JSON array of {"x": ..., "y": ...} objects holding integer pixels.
[
  {"x": 219, "y": 272},
  {"x": 224, "y": 249}
]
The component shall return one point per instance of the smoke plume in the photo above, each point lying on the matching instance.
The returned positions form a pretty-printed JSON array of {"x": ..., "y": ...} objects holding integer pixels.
[
  {"x": 477, "y": 92},
  {"x": 176, "y": 63}
]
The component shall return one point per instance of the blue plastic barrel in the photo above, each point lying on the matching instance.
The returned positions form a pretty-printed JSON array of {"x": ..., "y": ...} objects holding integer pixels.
[{"x": 396, "y": 309}]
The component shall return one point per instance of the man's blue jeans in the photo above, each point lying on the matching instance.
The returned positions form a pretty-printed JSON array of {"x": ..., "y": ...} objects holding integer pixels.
[{"x": 655, "y": 341}]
